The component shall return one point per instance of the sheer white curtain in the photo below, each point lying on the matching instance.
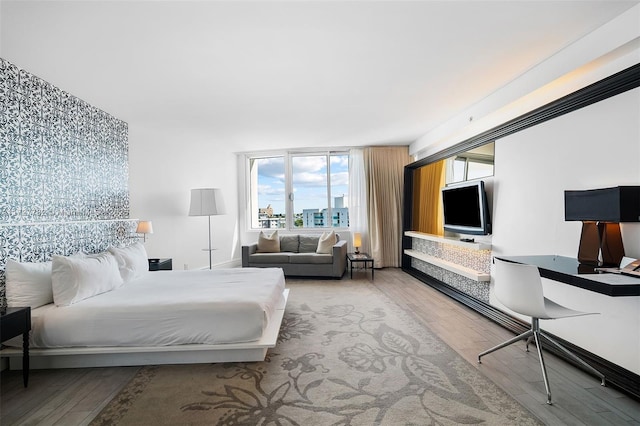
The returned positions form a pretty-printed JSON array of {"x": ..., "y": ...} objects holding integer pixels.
[{"x": 358, "y": 221}]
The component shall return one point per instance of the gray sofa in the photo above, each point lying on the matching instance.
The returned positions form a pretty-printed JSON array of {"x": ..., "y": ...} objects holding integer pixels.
[{"x": 298, "y": 257}]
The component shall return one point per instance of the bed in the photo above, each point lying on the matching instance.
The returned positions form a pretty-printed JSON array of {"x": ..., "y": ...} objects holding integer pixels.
[{"x": 167, "y": 317}]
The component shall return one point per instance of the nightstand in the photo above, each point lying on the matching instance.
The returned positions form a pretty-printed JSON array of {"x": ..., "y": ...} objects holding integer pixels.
[
  {"x": 14, "y": 322},
  {"x": 363, "y": 258},
  {"x": 160, "y": 264}
]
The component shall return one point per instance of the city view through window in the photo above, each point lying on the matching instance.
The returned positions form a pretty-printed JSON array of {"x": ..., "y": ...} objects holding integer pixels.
[{"x": 318, "y": 194}]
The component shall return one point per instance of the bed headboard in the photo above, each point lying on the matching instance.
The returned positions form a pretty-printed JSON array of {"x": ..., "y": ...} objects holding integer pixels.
[{"x": 63, "y": 173}]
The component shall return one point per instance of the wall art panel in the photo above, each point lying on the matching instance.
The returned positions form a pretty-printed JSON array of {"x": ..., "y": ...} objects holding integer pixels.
[{"x": 63, "y": 173}]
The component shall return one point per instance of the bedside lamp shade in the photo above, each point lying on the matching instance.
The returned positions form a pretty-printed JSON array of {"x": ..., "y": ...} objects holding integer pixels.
[
  {"x": 206, "y": 202},
  {"x": 144, "y": 227}
]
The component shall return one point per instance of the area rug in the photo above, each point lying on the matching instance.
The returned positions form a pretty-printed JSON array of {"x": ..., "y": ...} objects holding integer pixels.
[{"x": 347, "y": 355}]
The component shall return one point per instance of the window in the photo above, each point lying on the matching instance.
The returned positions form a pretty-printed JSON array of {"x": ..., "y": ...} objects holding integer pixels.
[
  {"x": 471, "y": 165},
  {"x": 299, "y": 190},
  {"x": 267, "y": 182}
]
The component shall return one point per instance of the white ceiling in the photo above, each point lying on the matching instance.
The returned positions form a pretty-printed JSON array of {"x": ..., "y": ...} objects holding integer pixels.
[{"x": 264, "y": 75}]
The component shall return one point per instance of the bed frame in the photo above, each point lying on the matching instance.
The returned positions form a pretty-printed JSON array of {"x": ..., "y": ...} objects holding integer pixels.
[{"x": 155, "y": 355}]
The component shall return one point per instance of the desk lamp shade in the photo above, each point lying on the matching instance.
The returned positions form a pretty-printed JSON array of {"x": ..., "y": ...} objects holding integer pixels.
[
  {"x": 601, "y": 212},
  {"x": 206, "y": 202}
]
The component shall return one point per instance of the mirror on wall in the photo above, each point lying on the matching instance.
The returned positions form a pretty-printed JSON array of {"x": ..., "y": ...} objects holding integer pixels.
[
  {"x": 429, "y": 179},
  {"x": 469, "y": 165}
]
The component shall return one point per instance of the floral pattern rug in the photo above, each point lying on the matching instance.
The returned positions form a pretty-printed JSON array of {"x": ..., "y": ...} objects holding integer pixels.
[{"x": 347, "y": 355}]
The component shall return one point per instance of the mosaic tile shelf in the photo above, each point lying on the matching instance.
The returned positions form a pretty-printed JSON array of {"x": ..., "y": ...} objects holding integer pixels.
[
  {"x": 474, "y": 259},
  {"x": 63, "y": 172}
]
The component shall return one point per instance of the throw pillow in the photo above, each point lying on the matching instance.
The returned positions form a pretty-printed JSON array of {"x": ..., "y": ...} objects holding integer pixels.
[
  {"x": 308, "y": 243},
  {"x": 289, "y": 243},
  {"x": 326, "y": 242},
  {"x": 132, "y": 261},
  {"x": 76, "y": 279},
  {"x": 28, "y": 284},
  {"x": 268, "y": 244}
]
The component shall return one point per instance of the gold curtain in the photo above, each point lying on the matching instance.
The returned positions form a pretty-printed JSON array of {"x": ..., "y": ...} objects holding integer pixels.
[
  {"x": 427, "y": 207},
  {"x": 384, "y": 169}
]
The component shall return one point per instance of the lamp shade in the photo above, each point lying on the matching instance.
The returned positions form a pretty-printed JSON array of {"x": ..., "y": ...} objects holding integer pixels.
[
  {"x": 618, "y": 204},
  {"x": 357, "y": 239},
  {"x": 206, "y": 202},
  {"x": 144, "y": 227}
]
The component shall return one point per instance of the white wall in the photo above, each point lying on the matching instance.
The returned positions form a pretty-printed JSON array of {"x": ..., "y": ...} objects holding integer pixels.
[
  {"x": 611, "y": 48},
  {"x": 165, "y": 163},
  {"x": 595, "y": 147}
]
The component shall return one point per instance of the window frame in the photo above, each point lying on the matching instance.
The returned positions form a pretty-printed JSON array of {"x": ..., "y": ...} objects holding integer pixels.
[{"x": 288, "y": 157}]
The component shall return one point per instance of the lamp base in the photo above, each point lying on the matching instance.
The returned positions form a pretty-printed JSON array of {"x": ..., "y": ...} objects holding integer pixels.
[{"x": 600, "y": 244}]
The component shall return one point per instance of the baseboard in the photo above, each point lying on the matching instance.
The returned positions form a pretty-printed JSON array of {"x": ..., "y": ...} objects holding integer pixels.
[{"x": 616, "y": 376}]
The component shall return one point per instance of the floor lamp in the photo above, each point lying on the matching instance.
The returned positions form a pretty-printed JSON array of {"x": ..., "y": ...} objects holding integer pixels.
[{"x": 206, "y": 202}]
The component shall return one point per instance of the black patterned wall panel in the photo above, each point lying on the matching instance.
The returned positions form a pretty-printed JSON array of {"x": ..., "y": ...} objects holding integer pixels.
[{"x": 63, "y": 172}]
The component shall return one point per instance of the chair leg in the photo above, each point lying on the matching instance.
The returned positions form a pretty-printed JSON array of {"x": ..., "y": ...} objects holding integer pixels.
[
  {"x": 574, "y": 357},
  {"x": 522, "y": 336},
  {"x": 536, "y": 336},
  {"x": 529, "y": 340}
]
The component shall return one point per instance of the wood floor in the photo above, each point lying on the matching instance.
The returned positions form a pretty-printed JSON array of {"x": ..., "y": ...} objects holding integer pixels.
[{"x": 75, "y": 396}]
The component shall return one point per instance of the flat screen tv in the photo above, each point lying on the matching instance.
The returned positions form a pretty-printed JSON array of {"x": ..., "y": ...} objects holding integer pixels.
[{"x": 466, "y": 210}]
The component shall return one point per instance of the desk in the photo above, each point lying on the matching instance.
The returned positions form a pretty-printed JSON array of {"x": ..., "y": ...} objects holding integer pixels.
[
  {"x": 569, "y": 271},
  {"x": 609, "y": 340},
  {"x": 13, "y": 322}
]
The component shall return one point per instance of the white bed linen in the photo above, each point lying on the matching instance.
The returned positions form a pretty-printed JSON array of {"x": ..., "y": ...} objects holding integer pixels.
[{"x": 167, "y": 308}]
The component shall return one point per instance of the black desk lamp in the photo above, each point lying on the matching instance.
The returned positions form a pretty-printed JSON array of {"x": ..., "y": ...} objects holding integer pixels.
[{"x": 601, "y": 212}]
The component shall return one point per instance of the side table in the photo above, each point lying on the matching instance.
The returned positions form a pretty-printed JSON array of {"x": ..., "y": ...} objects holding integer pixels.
[
  {"x": 160, "y": 264},
  {"x": 363, "y": 258},
  {"x": 13, "y": 322}
]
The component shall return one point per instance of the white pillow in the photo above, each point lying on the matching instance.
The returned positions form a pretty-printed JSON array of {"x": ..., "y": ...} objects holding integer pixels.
[
  {"x": 268, "y": 244},
  {"x": 132, "y": 261},
  {"x": 326, "y": 242},
  {"x": 28, "y": 284},
  {"x": 74, "y": 279}
]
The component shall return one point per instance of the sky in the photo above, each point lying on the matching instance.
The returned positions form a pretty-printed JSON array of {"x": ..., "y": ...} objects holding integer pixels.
[{"x": 309, "y": 181}]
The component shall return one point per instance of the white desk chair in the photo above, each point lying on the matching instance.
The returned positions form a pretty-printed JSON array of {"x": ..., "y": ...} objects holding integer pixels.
[{"x": 519, "y": 288}]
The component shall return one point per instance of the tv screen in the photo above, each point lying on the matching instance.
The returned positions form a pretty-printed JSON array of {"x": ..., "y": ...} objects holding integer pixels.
[{"x": 466, "y": 208}]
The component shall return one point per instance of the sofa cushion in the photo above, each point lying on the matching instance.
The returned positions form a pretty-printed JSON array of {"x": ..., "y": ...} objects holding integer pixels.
[
  {"x": 310, "y": 258},
  {"x": 268, "y": 243},
  {"x": 289, "y": 243},
  {"x": 308, "y": 243},
  {"x": 269, "y": 258},
  {"x": 326, "y": 242}
]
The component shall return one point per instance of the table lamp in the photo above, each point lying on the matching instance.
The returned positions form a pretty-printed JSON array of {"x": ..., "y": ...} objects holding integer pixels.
[
  {"x": 357, "y": 241},
  {"x": 601, "y": 212},
  {"x": 144, "y": 227}
]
